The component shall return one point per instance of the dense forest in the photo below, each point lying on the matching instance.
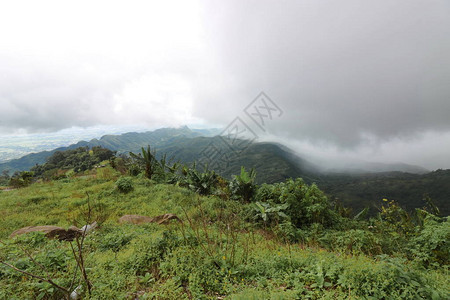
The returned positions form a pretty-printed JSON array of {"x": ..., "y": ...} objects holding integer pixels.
[{"x": 409, "y": 190}]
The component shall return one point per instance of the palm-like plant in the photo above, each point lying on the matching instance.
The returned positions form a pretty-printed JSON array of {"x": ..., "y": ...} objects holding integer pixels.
[
  {"x": 147, "y": 159},
  {"x": 200, "y": 182},
  {"x": 243, "y": 186}
]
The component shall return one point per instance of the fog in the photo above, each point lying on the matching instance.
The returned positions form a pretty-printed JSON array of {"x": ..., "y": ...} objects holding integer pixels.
[{"x": 355, "y": 80}]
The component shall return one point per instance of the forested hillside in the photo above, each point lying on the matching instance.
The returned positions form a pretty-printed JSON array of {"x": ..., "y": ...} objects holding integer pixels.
[
  {"x": 274, "y": 163},
  {"x": 409, "y": 190}
]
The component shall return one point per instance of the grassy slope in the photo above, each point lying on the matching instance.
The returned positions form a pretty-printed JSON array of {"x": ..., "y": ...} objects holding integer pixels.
[{"x": 200, "y": 260}]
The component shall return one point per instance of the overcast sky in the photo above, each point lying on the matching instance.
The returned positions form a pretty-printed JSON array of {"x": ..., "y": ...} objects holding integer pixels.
[{"x": 355, "y": 79}]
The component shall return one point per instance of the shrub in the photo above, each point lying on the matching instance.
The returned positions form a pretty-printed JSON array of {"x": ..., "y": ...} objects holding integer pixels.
[
  {"x": 431, "y": 245},
  {"x": 21, "y": 179},
  {"x": 354, "y": 241},
  {"x": 306, "y": 204},
  {"x": 243, "y": 187},
  {"x": 124, "y": 184},
  {"x": 269, "y": 214},
  {"x": 202, "y": 183}
]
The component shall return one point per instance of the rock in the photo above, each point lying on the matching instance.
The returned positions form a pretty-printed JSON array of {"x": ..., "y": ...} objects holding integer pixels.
[
  {"x": 45, "y": 229},
  {"x": 136, "y": 219},
  {"x": 88, "y": 228},
  {"x": 75, "y": 295},
  {"x": 164, "y": 219},
  {"x": 51, "y": 232}
]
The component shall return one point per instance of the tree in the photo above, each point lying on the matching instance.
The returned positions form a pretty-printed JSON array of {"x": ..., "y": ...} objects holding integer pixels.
[
  {"x": 102, "y": 153},
  {"x": 147, "y": 159},
  {"x": 21, "y": 179},
  {"x": 4, "y": 178}
]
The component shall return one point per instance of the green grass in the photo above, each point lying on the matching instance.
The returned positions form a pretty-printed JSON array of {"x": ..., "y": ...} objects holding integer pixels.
[{"x": 214, "y": 253}]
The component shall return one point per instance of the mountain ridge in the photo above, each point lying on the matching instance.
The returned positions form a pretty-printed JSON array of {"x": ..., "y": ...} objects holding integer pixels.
[
  {"x": 133, "y": 141},
  {"x": 273, "y": 162}
]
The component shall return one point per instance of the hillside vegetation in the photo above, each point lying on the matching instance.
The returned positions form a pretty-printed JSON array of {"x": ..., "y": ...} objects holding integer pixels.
[
  {"x": 235, "y": 240},
  {"x": 273, "y": 163},
  {"x": 409, "y": 190}
]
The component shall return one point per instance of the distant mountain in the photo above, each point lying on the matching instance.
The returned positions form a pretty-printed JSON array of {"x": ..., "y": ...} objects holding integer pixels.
[
  {"x": 210, "y": 132},
  {"x": 361, "y": 167},
  {"x": 16, "y": 146},
  {"x": 273, "y": 162},
  {"x": 356, "y": 187},
  {"x": 122, "y": 143}
]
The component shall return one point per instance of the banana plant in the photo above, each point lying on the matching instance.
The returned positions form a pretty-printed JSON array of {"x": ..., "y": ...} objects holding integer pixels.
[
  {"x": 243, "y": 186},
  {"x": 269, "y": 213},
  {"x": 201, "y": 182}
]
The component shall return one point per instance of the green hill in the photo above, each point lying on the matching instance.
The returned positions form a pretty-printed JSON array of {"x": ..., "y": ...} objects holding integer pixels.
[
  {"x": 222, "y": 248},
  {"x": 273, "y": 163},
  {"x": 123, "y": 143}
]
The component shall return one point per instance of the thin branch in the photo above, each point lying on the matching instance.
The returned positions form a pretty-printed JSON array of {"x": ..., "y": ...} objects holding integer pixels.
[
  {"x": 76, "y": 268},
  {"x": 80, "y": 257}
]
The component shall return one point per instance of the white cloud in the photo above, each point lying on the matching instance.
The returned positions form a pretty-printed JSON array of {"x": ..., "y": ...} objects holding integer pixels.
[
  {"x": 341, "y": 71},
  {"x": 156, "y": 100}
]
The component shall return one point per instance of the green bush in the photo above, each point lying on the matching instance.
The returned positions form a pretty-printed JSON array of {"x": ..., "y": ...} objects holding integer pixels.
[
  {"x": 124, "y": 184},
  {"x": 21, "y": 179},
  {"x": 306, "y": 204},
  {"x": 243, "y": 186},
  {"x": 431, "y": 245},
  {"x": 202, "y": 183}
]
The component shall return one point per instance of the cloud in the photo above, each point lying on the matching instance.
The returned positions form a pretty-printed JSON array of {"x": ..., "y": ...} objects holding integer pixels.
[
  {"x": 341, "y": 70},
  {"x": 65, "y": 65},
  {"x": 351, "y": 77}
]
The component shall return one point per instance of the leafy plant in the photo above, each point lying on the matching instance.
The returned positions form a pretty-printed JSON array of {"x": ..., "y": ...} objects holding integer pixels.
[
  {"x": 431, "y": 246},
  {"x": 306, "y": 204},
  {"x": 202, "y": 183},
  {"x": 124, "y": 184},
  {"x": 269, "y": 214},
  {"x": 147, "y": 160},
  {"x": 115, "y": 241},
  {"x": 21, "y": 179},
  {"x": 242, "y": 187}
]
